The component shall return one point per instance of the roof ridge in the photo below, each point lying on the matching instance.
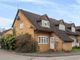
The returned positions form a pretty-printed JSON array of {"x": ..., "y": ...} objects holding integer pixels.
[{"x": 29, "y": 12}]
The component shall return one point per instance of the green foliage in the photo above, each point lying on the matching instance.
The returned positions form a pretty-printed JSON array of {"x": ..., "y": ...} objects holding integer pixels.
[
  {"x": 24, "y": 43},
  {"x": 8, "y": 42},
  {"x": 76, "y": 49}
]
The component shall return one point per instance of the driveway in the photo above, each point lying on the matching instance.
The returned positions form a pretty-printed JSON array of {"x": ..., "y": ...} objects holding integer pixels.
[{"x": 4, "y": 55}]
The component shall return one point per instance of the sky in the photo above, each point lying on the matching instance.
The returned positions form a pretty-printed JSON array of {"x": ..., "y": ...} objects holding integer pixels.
[{"x": 68, "y": 10}]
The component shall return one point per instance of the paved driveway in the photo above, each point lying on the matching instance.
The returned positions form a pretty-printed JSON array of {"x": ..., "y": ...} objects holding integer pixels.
[{"x": 4, "y": 55}]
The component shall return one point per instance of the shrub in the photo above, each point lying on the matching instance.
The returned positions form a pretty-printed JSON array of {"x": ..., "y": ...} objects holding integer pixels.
[
  {"x": 8, "y": 42},
  {"x": 24, "y": 43}
]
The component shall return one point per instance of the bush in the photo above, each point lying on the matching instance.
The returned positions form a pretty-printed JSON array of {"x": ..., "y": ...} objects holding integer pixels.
[
  {"x": 8, "y": 42},
  {"x": 24, "y": 43}
]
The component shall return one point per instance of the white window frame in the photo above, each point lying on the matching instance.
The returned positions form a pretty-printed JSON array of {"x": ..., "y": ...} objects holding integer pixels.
[
  {"x": 42, "y": 39},
  {"x": 62, "y": 27},
  {"x": 73, "y": 29},
  {"x": 21, "y": 25},
  {"x": 45, "y": 23}
]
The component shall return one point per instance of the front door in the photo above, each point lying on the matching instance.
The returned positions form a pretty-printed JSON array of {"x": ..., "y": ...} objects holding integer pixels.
[{"x": 51, "y": 42}]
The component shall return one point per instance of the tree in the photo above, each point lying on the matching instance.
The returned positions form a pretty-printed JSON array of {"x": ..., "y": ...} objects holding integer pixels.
[{"x": 24, "y": 43}]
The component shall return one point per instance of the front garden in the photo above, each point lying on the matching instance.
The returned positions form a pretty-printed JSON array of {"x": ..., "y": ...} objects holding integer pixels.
[{"x": 22, "y": 43}]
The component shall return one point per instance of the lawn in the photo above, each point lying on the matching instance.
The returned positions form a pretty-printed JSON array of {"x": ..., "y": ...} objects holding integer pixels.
[{"x": 76, "y": 49}]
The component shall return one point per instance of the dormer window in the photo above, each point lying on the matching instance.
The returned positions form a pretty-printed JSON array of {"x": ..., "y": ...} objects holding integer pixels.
[
  {"x": 45, "y": 23},
  {"x": 73, "y": 29},
  {"x": 62, "y": 27}
]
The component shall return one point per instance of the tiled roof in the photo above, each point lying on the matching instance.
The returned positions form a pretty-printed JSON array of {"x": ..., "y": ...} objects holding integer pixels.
[
  {"x": 34, "y": 18},
  {"x": 77, "y": 27},
  {"x": 76, "y": 33},
  {"x": 63, "y": 36}
]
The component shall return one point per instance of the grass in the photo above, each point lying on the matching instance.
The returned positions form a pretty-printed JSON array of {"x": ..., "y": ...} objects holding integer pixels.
[{"x": 76, "y": 49}]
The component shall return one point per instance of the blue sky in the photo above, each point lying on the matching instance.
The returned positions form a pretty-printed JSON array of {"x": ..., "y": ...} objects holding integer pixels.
[{"x": 69, "y": 10}]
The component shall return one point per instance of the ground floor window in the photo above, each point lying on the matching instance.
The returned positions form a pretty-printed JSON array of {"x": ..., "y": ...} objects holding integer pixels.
[{"x": 42, "y": 39}]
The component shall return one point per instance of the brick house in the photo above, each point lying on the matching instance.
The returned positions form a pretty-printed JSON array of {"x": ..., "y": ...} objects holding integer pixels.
[
  {"x": 78, "y": 37},
  {"x": 73, "y": 34},
  {"x": 9, "y": 31},
  {"x": 70, "y": 30},
  {"x": 49, "y": 33}
]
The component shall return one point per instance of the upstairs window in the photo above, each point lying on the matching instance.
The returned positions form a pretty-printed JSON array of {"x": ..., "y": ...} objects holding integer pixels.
[
  {"x": 73, "y": 29},
  {"x": 21, "y": 25},
  {"x": 62, "y": 27},
  {"x": 45, "y": 23}
]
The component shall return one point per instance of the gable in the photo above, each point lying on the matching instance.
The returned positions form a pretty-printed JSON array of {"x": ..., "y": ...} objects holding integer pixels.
[
  {"x": 20, "y": 18},
  {"x": 23, "y": 25}
]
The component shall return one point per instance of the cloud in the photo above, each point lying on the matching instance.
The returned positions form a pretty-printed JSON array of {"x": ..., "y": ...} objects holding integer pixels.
[
  {"x": 7, "y": 0},
  {"x": 8, "y": 3},
  {"x": 69, "y": 12},
  {"x": 38, "y": 2},
  {"x": 77, "y": 1},
  {"x": 5, "y": 22},
  {"x": 7, "y": 14}
]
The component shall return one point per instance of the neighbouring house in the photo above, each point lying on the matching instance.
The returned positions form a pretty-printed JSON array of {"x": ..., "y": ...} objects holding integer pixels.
[
  {"x": 73, "y": 34},
  {"x": 9, "y": 31},
  {"x": 78, "y": 31},
  {"x": 49, "y": 33},
  {"x": 70, "y": 30}
]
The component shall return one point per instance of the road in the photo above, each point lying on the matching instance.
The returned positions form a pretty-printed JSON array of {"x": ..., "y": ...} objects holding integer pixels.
[{"x": 4, "y": 55}]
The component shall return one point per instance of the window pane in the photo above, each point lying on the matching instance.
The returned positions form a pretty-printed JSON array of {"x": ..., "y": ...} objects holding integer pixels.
[
  {"x": 39, "y": 39},
  {"x": 45, "y": 23},
  {"x": 43, "y": 39},
  {"x": 21, "y": 25},
  {"x": 46, "y": 40}
]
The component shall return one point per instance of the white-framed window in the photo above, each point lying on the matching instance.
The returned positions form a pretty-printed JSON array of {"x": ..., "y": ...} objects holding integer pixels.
[
  {"x": 62, "y": 27},
  {"x": 21, "y": 25},
  {"x": 73, "y": 29},
  {"x": 42, "y": 40},
  {"x": 45, "y": 23}
]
